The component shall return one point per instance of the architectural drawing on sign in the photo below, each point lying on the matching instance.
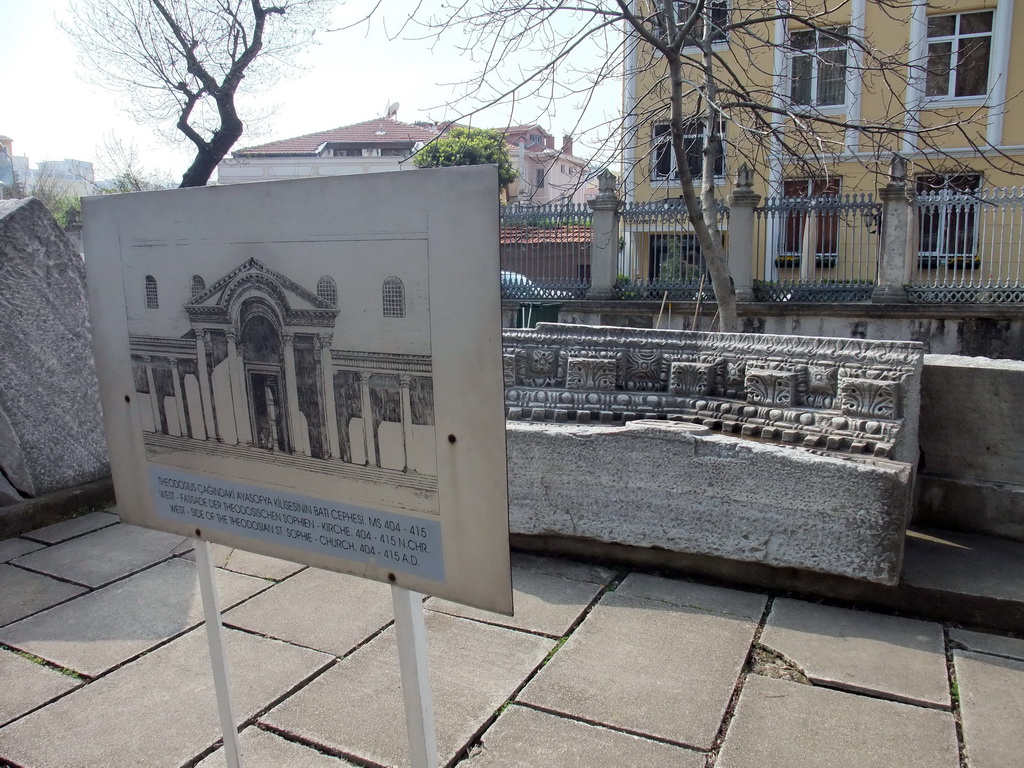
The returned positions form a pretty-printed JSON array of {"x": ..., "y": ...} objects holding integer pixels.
[{"x": 264, "y": 368}]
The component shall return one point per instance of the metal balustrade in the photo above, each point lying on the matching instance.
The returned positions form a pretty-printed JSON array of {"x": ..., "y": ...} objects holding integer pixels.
[
  {"x": 659, "y": 256},
  {"x": 970, "y": 247},
  {"x": 817, "y": 248},
  {"x": 545, "y": 251}
]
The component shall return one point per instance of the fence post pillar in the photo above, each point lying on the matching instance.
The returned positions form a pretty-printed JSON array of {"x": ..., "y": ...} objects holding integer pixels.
[
  {"x": 894, "y": 262},
  {"x": 742, "y": 202},
  {"x": 604, "y": 246}
]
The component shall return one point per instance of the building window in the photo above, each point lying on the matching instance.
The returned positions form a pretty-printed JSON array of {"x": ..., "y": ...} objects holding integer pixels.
[
  {"x": 327, "y": 290},
  {"x": 394, "y": 297},
  {"x": 198, "y": 286},
  {"x": 540, "y": 178},
  {"x": 152, "y": 298},
  {"x": 674, "y": 258},
  {"x": 715, "y": 13},
  {"x": 947, "y": 209},
  {"x": 806, "y": 216},
  {"x": 693, "y": 144},
  {"x": 818, "y": 72},
  {"x": 959, "y": 46}
]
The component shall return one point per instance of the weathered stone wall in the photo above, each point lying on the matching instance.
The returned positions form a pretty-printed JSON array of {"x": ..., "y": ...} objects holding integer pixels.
[
  {"x": 972, "y": 445},
  {"x": 682, "y": 488},
  {"x": 51, "y": 430}
]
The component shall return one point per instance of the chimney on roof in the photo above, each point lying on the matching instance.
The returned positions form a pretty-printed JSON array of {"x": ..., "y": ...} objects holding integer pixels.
[{"x": 567, "y": 144}]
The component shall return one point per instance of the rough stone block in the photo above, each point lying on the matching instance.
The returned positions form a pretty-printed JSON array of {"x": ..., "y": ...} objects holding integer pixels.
[
  {"x": 679, "y": 487},
  {"x": 972, "y": 468},
  {"x": 51, "y": 430}
]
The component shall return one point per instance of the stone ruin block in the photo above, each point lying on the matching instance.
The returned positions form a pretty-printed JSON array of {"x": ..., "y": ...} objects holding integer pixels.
[
  {"x": 51, "y": 429},
  {"x": 819, "y": 475},
  {"x": 852, "y": 396},
  {"x": 682, "y": 488}
]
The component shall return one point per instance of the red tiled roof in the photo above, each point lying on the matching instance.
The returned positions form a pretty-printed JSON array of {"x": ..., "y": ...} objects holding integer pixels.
[
  {"x": 526, "y": 235},
  {"x": 378, "y": 131}
]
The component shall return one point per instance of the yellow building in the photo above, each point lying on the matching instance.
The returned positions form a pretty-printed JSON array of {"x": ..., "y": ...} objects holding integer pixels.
[{"x": 839, "y": 92}]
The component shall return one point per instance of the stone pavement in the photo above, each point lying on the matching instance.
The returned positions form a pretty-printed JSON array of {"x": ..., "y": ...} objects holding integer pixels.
[{"x": 103, "y": 662}]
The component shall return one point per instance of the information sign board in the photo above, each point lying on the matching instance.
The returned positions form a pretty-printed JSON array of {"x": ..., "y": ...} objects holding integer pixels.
[{"x": 311, "y": 369}]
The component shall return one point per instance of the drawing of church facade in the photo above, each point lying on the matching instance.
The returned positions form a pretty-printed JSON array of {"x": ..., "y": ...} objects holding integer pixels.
[{"x": 269, "y": 367}]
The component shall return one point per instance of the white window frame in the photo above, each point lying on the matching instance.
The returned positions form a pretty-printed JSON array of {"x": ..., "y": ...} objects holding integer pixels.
[
  {"x": 955, "y": 40},
  {"x": 683, "y": 10},
  {"x": 661, "y": 141},
  {"x": 823, "y": 41}
]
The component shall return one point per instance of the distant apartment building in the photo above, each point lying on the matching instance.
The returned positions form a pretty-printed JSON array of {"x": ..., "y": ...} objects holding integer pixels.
[
  {"x": 374, "y": 146},
  {"x": 546, "y": 174}
]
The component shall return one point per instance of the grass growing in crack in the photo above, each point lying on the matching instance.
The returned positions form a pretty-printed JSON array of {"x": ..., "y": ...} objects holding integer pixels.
[
  {"x": 44, "y": 663},
  {"x": 558, "y": 644}
]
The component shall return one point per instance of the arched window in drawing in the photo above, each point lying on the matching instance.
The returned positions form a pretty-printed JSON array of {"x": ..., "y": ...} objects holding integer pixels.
[
  {"x": 327, "y": 290},
  {"x": 394, "y": 297},
  {"x": 198, "y": 286},
  {"x": 152, "y": 299}
]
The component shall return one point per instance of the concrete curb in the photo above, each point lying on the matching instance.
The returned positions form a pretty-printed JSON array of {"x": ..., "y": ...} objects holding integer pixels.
[{"x": 54, "y": 507}]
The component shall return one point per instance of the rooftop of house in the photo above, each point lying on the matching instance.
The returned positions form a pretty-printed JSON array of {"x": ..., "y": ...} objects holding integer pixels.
[{"x": 381, "y": 131}]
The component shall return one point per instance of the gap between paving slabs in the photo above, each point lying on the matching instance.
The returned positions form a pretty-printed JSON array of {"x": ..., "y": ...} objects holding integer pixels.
[
  {"x": 477, "y": 738},
  {"x": 82, "y": 676}
]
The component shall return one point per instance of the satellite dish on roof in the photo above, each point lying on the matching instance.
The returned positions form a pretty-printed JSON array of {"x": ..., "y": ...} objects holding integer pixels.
[{"x": 392, "y": 110}]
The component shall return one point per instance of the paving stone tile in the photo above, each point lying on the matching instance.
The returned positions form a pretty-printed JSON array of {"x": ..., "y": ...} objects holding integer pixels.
[
  {"x": 331, "y": 612},
  {"x": 896, "y": 658},
  {"x": 24, "y": 593},
  {"x": 158, "y": 711},
  {"x": 526, "y": 738},
  {"x": 985, "y": 643},
  {"x": 781, "y": 724},
  {"x": 543, "y": 603},
  {"x": 474, "y": 668},
  {"x": 249, "y": 563},
  {"x": 12, "y": 548},
  {"x": 102, "y": 629},
  {"x": 665, "y": 669},
  {"x": 964, "y": 563},
  {"x": 76, "y": 526},
  {"x": 687, "y": 594},
  {"x": 101, "y": 557},
  {"x": 992, "y": 708},
  {"x": 261, "y": 749},
  {"x": 567, "y": 569},
  {"x": 27, "y": 685}
]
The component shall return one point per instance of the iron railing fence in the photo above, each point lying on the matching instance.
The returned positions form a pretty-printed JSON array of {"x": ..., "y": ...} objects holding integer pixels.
[
  {"x": 817, "y": 248},
  {"x": 659, "y": 256},
  {"x": 970, "y": 247},
  {"x": 545, "y": 251}
]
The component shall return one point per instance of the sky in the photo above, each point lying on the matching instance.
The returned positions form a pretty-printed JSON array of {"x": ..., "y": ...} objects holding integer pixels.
[{"x": 352, "y": 75}]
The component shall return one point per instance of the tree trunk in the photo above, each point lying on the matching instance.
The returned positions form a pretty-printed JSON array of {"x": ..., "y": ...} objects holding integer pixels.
[{"x": 700, "y": 215}]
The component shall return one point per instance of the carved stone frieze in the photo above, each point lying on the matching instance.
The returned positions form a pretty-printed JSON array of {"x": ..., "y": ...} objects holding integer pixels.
[
  {"x": 690, "y": 379},
  {"x": 869, "y": 398},
  {"x": 850, "y": 395},
  {"x": 766, "y": 387},
  {"x": 590, "y": 373}
]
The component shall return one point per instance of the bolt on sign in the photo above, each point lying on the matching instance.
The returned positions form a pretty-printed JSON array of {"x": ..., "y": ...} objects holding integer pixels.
[{"x": 311, "y": 370}]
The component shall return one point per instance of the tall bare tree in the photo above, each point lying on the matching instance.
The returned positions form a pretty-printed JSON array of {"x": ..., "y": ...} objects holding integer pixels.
[
  {"x": 186, "y": 60},
  {"x": 716, "y": 63}
]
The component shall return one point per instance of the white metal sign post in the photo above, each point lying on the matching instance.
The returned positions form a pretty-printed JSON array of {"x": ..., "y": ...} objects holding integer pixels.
[
  {"x": 218, "y": 653},
  {"x": 312, "y": 370}
]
